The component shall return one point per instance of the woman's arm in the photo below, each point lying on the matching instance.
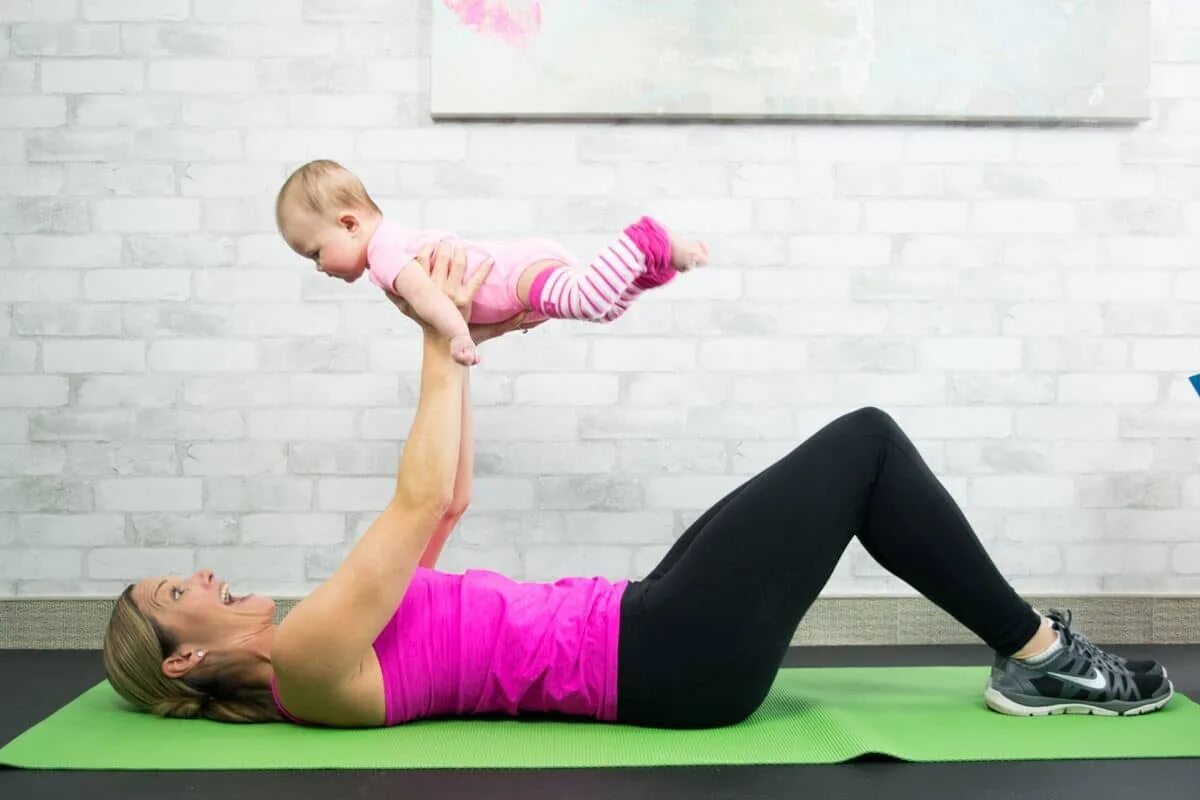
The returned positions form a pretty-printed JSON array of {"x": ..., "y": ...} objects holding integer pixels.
[
  {"x": 461, "y": 496},
  {"x": 322, "y": 641}
]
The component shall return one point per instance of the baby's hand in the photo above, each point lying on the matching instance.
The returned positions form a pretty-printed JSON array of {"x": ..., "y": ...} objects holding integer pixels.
[{"x": 462, "y": 348}]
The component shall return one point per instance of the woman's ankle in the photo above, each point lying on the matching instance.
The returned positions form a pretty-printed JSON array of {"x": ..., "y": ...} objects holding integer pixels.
[{"x": 1040, "y": 642}]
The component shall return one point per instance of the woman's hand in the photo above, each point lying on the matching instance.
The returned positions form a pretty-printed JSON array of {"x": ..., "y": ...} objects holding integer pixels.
[
  {"x": 482, "y": 332},
  {"x": 445, "y": 265},
  {"x": 441, "y": 261}
]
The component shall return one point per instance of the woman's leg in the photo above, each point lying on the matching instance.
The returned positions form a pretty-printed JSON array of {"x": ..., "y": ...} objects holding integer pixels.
[{"x": 702, "y": 639}]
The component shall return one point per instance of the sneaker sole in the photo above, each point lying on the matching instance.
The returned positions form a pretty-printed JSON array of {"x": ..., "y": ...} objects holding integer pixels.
[{"x": 998, "y": 701}]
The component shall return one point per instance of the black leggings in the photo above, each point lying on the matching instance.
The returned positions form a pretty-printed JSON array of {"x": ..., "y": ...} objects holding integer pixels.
[{"x": 703, "y": 635}]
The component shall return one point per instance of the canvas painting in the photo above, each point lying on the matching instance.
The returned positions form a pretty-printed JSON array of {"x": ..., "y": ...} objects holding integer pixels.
[{"x": 1085, "y": 60}]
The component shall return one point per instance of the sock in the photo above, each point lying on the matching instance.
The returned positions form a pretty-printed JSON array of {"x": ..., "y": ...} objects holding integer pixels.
[
  {"x": 639, "y": 259},
  {"x": 1047, "y": 654}
]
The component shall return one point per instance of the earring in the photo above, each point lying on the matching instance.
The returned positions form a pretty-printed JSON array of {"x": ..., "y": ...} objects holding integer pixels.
[{"x": 200, "y": 654}]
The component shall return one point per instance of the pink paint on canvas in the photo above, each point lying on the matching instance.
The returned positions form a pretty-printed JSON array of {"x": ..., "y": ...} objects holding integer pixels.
[{"x": 515, "y": 21}]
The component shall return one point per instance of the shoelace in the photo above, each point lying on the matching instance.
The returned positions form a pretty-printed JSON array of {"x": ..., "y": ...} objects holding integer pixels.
[
  {"x": 1123, "y": 684},
  {"x": 1063, "y": 621}
]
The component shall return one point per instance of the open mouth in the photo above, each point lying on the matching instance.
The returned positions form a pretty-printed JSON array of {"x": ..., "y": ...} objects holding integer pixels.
[{"x": 229, "y": 599}]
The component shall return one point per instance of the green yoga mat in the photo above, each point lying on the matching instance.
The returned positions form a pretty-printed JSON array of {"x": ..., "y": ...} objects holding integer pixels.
[{"x": 812, "y": 716}]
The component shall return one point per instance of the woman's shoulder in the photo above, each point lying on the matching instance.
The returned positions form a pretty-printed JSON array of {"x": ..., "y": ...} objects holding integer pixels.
[{"x": 356, "y": 701}]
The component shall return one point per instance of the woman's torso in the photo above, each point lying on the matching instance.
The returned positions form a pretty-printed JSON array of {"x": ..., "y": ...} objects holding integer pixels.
[{"x": 480, "y": 643}]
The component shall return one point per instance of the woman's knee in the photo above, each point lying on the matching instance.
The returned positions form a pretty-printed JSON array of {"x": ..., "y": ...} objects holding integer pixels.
[{"x": 870, "y": 419}]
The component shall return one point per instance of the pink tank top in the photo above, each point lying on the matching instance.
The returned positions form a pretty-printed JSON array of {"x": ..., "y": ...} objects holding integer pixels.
[{"x": 480, "y": 642}]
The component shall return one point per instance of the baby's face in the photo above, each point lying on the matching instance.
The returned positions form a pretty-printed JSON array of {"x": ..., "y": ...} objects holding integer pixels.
[{"x": 338, "y": 248}]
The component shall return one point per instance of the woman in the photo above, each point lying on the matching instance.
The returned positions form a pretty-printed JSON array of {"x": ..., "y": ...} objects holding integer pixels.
[{"x": 387, "y": 639}]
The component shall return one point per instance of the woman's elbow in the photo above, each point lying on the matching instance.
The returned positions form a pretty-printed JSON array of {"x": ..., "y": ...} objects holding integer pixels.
[
  {"x": 456, "y": 507},
  {"x": 435, "y": 505}
]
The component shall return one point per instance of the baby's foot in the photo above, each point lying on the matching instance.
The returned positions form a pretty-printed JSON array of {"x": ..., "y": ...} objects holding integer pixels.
[{"x": 685, "y": 255}]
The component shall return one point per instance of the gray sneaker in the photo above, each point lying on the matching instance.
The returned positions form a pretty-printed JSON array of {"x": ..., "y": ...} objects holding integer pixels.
[
  {"x": 1080, "y": 679},
  {"x": 1063, "y": 619}
]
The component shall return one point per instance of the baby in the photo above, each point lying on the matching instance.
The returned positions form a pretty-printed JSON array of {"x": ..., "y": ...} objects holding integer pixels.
[{"x": 324, "y": 213}]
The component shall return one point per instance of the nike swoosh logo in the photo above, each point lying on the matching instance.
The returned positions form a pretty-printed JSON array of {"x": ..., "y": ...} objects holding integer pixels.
[{"x": 1096, "y": 681}]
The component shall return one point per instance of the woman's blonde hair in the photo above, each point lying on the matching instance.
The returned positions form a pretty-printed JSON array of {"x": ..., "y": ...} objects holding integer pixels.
[
  {"x": 321, "y": 187},
  {"x": 134, "y": 648}
]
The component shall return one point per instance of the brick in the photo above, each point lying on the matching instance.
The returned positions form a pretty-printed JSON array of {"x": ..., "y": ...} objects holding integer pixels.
[
  {"x": 29, "y": 181},
  {"x": 153, "y": 215},
  {"x": 1104, "y": 389},
  {"x": 258, "y": 494},
  {"x": 1115, "y": 559},
  {"x": 135, "y": 10},
  {"x": 34, "y": 391},
  {"x": 915, "y": 216},
  {"x": 234, "y": 459},
  {"x": 86, "y": 458},
  {"x": 41, "y": 564},
  {"x": 144, "y": 391},
  {"x": 550, "y": 562},
  {"x": 17, "y": 357},
  {"x": 948, "y": 146},
  {"x": 93, "y": 356},
  {"x": 175, "y": 424},
  {"x": 418, "y": 146},
  {"x": 133, "y": 564},
  {"x": 148, "y": 494},
  {"x": 292, "y": 530},
  {"x": 42, "y": 493},
  {"x": 1031, "y": 491},
  {"x": 688, "y": 492},
  {"x": 202, "y": 356},
  {"x": 644, "y": 355},
  {"x": 71, "y": 425},
  {"x": 300, "y": 424},
  {"x": 1143, "y": 490},
  {"x": 165, "y": 530},
  {"x": 32, "y": 459},
  {"x": 80, "y": 145},
  {"x": 91, "y": 76},
  {"x": 564, "y": 389},
  {"x": 70, "y": 530},
  {"x": 44, "y": 215},
  {"x": 353, "y": 494},
  {"x": 1022, "y": 216},
  {"x": 41, "y": 39}
]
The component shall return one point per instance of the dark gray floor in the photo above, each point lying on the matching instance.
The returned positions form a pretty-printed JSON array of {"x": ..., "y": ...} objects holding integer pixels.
[{"x": 35, "y": 683}]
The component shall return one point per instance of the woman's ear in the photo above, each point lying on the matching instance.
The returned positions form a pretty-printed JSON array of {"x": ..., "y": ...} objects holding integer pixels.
[{"x": 180, "y": 664}]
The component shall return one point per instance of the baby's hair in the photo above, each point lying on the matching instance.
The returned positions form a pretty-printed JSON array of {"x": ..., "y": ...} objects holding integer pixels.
[{"x": 321, "y": 186}]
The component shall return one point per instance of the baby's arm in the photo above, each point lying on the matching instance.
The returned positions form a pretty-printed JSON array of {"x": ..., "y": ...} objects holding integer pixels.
[{"x": 437, "y": 309}]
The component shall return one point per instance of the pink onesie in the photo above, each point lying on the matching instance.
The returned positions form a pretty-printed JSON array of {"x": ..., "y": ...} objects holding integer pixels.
[{"x": 640, "y": 258}]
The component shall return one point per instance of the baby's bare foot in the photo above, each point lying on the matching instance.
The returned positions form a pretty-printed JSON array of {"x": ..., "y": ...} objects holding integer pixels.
[{"x": 685, "y": 254}]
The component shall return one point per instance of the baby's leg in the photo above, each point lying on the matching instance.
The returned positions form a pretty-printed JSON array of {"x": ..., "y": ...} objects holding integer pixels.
[
  {"x": 639, "y": 259},
  {"x": 529, "y": 274}
]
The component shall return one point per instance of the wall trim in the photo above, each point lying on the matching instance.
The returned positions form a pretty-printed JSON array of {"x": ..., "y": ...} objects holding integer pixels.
[{"x": 78, "y": 623}]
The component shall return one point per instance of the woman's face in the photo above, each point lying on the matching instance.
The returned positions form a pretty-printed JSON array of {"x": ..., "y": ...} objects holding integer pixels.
[{"x": 200, "y": 613}]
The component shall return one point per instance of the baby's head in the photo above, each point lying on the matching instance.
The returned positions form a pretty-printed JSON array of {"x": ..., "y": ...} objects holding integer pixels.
[{"x": 325, "y": 214}]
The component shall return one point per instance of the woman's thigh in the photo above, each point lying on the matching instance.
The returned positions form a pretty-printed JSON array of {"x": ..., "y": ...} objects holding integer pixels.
[{"x": 715, "y": 625}]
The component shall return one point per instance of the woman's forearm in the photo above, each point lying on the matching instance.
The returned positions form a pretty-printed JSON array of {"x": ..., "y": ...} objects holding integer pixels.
[
  {"x": 430, "y": 457},
  {"x": 461, "y": 497}
]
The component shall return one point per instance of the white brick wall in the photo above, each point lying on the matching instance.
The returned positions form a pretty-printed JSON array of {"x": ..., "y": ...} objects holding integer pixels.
[{"x": 178, "y": 390}]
